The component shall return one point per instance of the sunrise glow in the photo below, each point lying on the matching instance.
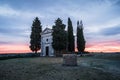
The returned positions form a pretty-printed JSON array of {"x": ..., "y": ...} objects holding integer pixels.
[
  {"x": 107, "y": 46},
  {"x": 15, "y": 48}
]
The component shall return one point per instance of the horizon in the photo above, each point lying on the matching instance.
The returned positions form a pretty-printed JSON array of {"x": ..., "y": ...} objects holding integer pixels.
[{"x": 100, "y": 22}]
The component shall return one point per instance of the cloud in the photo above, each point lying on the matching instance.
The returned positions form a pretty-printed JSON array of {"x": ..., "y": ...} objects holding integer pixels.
[
  {"x": 14, "y": 48},
  {"x": 15, "y": 25},
  {"x": 104, "y": 46},
  {"x": 8, "y": 11},
  {"x": 111, "y": 31},
  {"x": 4, "y": 42}
]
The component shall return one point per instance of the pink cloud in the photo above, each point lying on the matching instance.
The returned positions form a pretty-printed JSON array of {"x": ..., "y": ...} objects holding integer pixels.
[
  {"x": 14, "y": 48},
  {"x": 104, "y": 46}
]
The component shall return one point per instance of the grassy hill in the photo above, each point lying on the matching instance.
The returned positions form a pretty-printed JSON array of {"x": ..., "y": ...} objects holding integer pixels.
[{"x": 50, "y": 68}]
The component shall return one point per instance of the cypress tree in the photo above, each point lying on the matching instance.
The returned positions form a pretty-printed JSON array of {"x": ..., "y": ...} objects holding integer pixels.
[
  {"x": 59, "y": 36},
  {"x": 70, "y": 36},
  {"x": 80, "y": 37},
  {"x": 35, "y": 37}
]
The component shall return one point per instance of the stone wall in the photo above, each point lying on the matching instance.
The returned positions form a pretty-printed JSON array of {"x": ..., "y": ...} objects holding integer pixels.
[{"x": 69, "y": 60}]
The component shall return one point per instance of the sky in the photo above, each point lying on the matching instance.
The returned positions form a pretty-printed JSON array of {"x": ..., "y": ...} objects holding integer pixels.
[{"x": 101, "y": 22}]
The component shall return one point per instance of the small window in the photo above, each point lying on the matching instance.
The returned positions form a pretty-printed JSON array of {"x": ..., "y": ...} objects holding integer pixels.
[{"x": 47, "y": 40}]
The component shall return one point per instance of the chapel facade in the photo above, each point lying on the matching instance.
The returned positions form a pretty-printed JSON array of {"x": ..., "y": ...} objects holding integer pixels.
[{"x": 46, "y": 43}]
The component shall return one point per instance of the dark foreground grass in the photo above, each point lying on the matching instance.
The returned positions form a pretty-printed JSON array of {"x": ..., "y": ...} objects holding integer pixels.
[{"x": 46, "y": 68}]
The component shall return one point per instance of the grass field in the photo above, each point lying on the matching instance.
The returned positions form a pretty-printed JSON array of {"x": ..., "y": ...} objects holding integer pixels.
[{"x": 50, "y": 68}]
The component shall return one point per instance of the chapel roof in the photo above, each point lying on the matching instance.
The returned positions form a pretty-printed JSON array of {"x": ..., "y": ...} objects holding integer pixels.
[{"x": 46, "y": 31}]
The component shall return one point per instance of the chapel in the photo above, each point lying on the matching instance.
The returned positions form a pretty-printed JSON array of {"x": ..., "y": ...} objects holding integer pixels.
[{"x": 46, "y": 43}]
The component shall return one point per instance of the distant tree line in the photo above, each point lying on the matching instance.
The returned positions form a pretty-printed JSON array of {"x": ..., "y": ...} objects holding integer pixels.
[{"x": 62, "y": 40}]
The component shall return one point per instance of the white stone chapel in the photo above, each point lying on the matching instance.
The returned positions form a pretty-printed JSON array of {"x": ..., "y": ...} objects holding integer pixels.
[{"x": 46, "y": 42}]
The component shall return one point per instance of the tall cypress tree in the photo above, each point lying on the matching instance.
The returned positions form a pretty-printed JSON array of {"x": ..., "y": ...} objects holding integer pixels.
[
  {"x": 35, "y": 37},
  {"x": 59, "y": 36},
  {"x": 70, "y": 36},
  {"x": 80, "y": 37}
]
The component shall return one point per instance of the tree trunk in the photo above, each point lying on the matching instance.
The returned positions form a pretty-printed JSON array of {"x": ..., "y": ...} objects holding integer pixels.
[{"x": 36, "y": 51}]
